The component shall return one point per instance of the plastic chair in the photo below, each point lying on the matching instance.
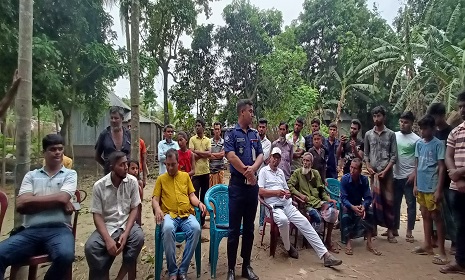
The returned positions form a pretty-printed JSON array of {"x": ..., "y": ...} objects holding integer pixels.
[
  {"x": 34, "y": 262},
  {"x": 334, "y": 190},
  {"x": 302, "y": 206},
  {"x": 274, "y": 229},
  {"x": 3, "y": 207},
  {"x": 180, "y": 237},
  {"x": 219, "y": 220}
]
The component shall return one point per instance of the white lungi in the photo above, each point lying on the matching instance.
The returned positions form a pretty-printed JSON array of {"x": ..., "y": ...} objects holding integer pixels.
[{"x": 282, "y": 218}]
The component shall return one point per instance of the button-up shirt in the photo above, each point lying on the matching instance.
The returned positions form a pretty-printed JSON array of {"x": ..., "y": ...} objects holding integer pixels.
[
  {"x": 456, "y": 140},
  {"x": 163, "y": 147},
  {"x": 355, "y": 192},
  {"x": 311, "y": 187},
  {"x": 106, "y": 146},
  {"x": 115, "y": 203},
  {"x": 39, "y": 183},
  {"x": 196, "y": 143},
  {"x": 174, "y": 192},
  {"x": 380, "y": 148},
  {"x": 287, "y": 151},
  {"x": 273, "y": 180},
  {"x": 245, "y": 144}
]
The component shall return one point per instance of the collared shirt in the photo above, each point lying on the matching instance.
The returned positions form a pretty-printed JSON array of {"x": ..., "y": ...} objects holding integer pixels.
[
  {"x": 331, "y": 163},
  {"x": 287, "y": 152},
  {"x": 298, "y": 144},
  {"x": 217, "y": 165},
  {"x": 456, "y": 140},
  {"x": 428, "y": 155},
  {"x": 200, "y": 144},
  {"x": 355, "y": 193},
  {"x": 245, "y": 144},
  {"x": 266, "y": 146},
  {"x": 174, "y": 192},
  {"x": 380, "y": 148},
  {"x": 115, "y": 203},
  {"x": 39, "y": 183},
  {"x": 442, "y": 135},
  {"x": 405, "y": 164},
  {"x": 106, "y": 146},
  {"x": 313, "y": 187},
  {"x": 163, "y": 147},
  {"x": 273, "y": 180}
]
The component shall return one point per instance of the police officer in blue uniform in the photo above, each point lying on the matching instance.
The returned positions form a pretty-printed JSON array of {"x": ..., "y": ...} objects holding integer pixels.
[{"x": 244, "y": 152}]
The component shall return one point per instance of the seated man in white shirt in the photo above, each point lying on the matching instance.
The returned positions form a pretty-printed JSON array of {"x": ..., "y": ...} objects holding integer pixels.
[{"x": 274, "y": 189}]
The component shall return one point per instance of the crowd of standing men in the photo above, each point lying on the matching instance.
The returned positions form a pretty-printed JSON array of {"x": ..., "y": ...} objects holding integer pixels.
[{"x": 428, "y": 169}]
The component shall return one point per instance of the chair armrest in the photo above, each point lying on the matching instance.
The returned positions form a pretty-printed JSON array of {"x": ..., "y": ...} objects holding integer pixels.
[
  {"x": 83, "y": 195},
  {"x": 300, "y": 202},
  {"x": 262, "y": 201},
  {"x": 198, "y": 213}
]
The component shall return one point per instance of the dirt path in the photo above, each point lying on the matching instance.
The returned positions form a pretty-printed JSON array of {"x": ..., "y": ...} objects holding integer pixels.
[{"x": 397, "y": 262}]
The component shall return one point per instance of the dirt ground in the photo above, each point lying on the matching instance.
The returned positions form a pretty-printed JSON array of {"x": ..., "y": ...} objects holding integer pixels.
[{"x": 397, "y": 262}]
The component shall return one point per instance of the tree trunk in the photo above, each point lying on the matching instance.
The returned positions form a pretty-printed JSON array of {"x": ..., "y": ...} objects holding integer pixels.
[
  {"x": 66, "y": 133},
  {"x": 23, "y": 103},
  {"x": 38, "y": 132},
  {"x": 166, "y": 116},
  {"x": 4, "y": 125},
  {"x": 339, "y": 107},
  {"x": 134, "y": 79}
]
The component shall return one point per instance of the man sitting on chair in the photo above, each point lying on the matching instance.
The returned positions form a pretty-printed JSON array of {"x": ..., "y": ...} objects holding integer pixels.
[
  {"x": 115, "y": 205},
  {"x": 306, "y": 183},
  {"x": 273, "y": 187},
  {"x": 44, "y": 200},
  {"x": 172, "y": 202},
  {"x": 357, "y": 218}
]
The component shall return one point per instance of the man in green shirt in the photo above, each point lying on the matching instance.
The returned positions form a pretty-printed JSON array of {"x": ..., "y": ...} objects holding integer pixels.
[{"x": 306, "y": 183}]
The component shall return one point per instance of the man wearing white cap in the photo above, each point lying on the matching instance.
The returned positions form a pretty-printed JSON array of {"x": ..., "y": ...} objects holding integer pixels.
[{"x": 273, "y": 187}]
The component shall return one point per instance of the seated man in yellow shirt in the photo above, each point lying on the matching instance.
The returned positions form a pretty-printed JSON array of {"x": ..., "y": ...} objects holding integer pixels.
[
  {"x": 172, "y": 202},
  {"x": 67, "y": 162}
]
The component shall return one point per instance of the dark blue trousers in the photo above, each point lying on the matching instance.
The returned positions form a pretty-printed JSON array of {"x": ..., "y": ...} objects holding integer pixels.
[{"x": 243, "y": 201}]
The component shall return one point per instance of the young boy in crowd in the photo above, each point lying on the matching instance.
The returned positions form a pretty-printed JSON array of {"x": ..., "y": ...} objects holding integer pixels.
[
  {"x": 429, "y": 154},
  {"x": 319, "y": 155}
]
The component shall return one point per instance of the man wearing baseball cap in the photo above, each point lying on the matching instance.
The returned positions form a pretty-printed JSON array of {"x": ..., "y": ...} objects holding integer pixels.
[{"x": 273, "y": 188}]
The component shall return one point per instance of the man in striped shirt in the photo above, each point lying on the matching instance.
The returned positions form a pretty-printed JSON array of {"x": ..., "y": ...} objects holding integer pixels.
[{"x": 455, "y": 162}]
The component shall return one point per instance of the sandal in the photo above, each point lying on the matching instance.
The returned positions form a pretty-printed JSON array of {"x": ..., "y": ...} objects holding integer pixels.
[
  {"x": 440, "y": 260},
  {"x": 374, "y": 251},
  {"x": 392, "y": 239},
  {"x": 385, "y": 234},
  {"x": 332, "y": 248},
  {"x": 421, "y": 251},
  {"x": 349, "y": 251},
  {"x": 452, "y": 268},
  {"x": 409, "y": 238}
]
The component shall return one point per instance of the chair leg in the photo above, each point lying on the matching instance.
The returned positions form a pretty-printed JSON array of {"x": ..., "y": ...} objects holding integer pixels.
[
  {"x": 274, "y": 233},
  {"x": 32, "y": 272},
  {"x": 198, "y": 257},
  {"x": 263, "y": 231},
  {"x": 214, "y": 262},
  {"x": 13, "y": 271},
  {"x": 158, "y": 258}
]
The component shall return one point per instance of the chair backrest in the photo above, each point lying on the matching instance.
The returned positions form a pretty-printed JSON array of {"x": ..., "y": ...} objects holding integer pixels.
[
  {"x": 3, "y": 207},
  {"x": 219, "y": 197},
  {"x": 333, "y": 188}
]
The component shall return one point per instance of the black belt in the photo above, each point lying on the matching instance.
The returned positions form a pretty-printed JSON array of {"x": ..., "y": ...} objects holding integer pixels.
[{"x": 278, "y": 207}]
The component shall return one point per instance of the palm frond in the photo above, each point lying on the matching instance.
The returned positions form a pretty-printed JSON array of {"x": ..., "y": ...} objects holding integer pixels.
[
  {"x": 332, "y": 72},
  {"x": 453, "y": 20}
]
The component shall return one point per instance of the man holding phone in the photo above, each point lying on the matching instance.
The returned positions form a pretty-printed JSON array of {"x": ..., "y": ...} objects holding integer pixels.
[
  {"x": 115, "y": 205},
  {"x": 351, "y": 147}
]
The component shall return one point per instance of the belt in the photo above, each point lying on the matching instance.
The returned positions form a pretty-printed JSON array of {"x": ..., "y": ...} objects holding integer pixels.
[
  {"x": 278, "y": 207},
  {"x": 239, "y": 179}
]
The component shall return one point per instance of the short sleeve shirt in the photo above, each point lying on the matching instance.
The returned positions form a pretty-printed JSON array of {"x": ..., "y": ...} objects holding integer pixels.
[
  {"x": 348, "y": 155},
  {"x": 456, "y": 140},
  {"x": 115, "y": 203},
  {"x": 216, "y": 147},
  {"x": 273, "y": 180},
  {"x": 39, "y": 183},
  {"x": 174, "y": 192},
  {"x": 405, "y": 164},
  {"x": 287, "y": 150},
  {"x": 200, "y": 144},
  {"x": 245, "y": 144},
  {"x": 428, "y": 155},
  {"x": 105, "y": 146}
]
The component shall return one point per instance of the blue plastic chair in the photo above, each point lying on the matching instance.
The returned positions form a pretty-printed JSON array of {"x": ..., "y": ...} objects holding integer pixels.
[
  {"x": 180, "y": 237},
  {"x": 334, "y": 190},
  {"x": 219, "y": 220}
]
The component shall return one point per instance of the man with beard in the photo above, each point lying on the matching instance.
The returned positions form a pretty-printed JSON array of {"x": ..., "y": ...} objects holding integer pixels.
[
  {"x": 114, "y": 207},
  {"x": 298, "y": 142},
  {"x": 114, "y": 138},
  {"x": 404, "y": 174},
  {"x": 351, "y": 148},
  {"x": 200, "y": 145},
  {"x": 172, "y": 203},
  {"x": 276, "y": 193},
  {"x": 438, "y": 111},
  {"x": 266, "y": 146},
  {"x": 306, "y": 183},
  {"x": 44, "y": 201},
  {"x": 287, "y": 150},
  {"x": 455, "y": 162},
  {"x": 245, "y": 155},
  {"x": 380, "y": 156}
]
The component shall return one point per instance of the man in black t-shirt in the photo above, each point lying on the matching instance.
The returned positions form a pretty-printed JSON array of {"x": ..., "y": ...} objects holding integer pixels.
[
  {"x": 351, "y": 148},
  {"x": 438, "y": 111}
]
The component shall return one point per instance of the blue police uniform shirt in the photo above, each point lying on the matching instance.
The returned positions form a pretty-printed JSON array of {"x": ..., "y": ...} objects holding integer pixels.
[{"x": 242, "y": 143}]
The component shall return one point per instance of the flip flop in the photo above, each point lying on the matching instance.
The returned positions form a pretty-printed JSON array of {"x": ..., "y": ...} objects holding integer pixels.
[
  {"x": 333, "y": 249},
  {"x": 440, "y": 260},
  {"x": 392, "y": 239},
  {"x": 349, "y": 251},
  {"x": 422, "y": 252},
  {"x": 452, "y": 269},
  {"x": 374, "y": 251},
  {"x": 409, "y": 238}
]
